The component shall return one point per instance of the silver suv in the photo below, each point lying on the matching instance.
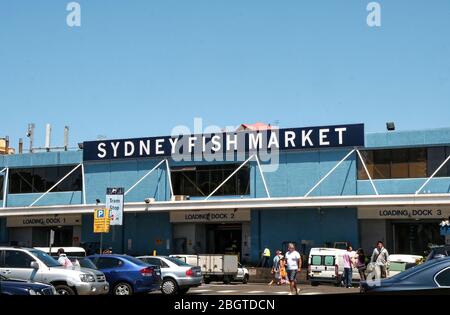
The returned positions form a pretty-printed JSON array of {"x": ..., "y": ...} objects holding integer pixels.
[{"x": 35, "y": 265}]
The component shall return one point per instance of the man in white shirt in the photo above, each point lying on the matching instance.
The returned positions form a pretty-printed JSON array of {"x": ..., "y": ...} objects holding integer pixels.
[
  {"x": 293, "y": 265},
  {"x": 380, "y": 258}
]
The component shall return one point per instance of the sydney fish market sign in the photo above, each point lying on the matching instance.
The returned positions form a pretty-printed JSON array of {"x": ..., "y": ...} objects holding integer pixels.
[{"x": 226, "y": 143}]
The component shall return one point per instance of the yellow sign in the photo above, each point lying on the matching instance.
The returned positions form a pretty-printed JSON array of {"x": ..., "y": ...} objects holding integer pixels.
[{"x": 101, "y": 220}]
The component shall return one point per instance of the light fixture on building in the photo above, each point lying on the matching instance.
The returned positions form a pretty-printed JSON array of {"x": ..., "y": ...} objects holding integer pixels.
[
  {"x": 80, "y": 145},
  {"x": 390, "y": 126}
]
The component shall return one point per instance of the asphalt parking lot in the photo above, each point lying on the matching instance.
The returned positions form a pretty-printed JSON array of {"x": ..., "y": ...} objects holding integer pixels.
[{"x": 263, "y": 289}]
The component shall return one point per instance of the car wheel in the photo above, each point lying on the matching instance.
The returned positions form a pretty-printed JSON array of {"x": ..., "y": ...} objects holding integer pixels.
[
  {"x": 169, "y": 287},
  {"x": 245, "y": 280},
  {"x": 207, "y": 280},
  {"x": 314, "y": 283},
  {"x": 62, "y": 289},
  {"x": 123, "y": 289}
]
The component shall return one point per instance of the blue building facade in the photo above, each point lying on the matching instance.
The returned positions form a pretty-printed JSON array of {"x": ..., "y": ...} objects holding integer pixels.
[{"x": 344, "y": 206}]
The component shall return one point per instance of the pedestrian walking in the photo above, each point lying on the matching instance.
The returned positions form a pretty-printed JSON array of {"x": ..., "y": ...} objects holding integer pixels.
[
  {"x": 283, "y": 274},
  {"x": 265, "y": 257},
  {"x": 293, "y": 266},
  {"x": 348, "y": 266},
  {"x": 63, "y": 259},
  {"x": 380, "y": 259},
  {"x": 361, "y": 263},
  {"x": 276, "y": 268}
]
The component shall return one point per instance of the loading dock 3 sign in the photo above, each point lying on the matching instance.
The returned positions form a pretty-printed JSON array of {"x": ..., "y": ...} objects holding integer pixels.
[
  {"x": 404, "y": 212},
  {"x": 197, "y": 216}
]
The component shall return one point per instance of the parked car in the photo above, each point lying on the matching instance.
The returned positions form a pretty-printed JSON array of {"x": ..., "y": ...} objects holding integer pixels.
[
  {"x": 432, "y": 277},
  {"x": 438, "y": 252},
  {"x": 399, "y": 263},
  {"x": 35, "y": 265},
  {"x": 242, "y": 275},
  {"x": 177, "y": 276},
  {"x": 326, "y": 265},
  {"x": 128, "y": 275},
  {"x": 22, "y": 287}
]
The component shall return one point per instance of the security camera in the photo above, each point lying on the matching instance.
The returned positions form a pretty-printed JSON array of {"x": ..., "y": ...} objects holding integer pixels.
[
  {"x": 28, "y": 134},
  {"x": 149, "y": 200}
]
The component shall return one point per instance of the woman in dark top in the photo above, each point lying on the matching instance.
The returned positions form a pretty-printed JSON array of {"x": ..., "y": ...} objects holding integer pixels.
[{"x": 361, "y": 263}]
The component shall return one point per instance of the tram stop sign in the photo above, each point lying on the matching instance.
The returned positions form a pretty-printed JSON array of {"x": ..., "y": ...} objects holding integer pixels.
[{"x": 114, "y": 202}]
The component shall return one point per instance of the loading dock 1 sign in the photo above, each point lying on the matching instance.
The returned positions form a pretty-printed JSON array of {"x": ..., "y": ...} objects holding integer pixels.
[
  {"x": 114, "y": 202},
  {"x": 101, "y": 220}
]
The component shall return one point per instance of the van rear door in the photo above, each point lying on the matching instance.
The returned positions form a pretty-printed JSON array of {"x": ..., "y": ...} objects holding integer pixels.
[{"x": 323, "y": 265}]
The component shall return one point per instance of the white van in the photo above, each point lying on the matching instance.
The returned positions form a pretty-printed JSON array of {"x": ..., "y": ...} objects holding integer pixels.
[{"x": 327, "y": 265}]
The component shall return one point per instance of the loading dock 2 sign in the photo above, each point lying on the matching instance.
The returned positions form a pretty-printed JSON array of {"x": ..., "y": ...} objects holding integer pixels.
[{"x": 200, "y": 216}]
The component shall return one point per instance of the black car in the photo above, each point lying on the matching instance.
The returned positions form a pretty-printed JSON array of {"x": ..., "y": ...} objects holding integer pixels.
[
  {"x": 432, "y": 277},
  {"x": 21, "y": 287},
  {"x": 438, "y": 252}
]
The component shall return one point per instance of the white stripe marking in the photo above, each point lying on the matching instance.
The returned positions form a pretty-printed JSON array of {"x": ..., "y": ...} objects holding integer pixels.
[
  {"x": 226, "y": 291},
  {"x": 255, "y": 291},
  {"x": 201, "y": 290}
]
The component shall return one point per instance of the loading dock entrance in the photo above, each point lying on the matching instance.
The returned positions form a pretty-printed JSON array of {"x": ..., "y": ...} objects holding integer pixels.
[{"x": 211, "y": 232}]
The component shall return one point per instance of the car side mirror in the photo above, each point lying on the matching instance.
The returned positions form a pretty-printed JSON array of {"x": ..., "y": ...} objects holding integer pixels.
[{"x": 34, "y": 265}]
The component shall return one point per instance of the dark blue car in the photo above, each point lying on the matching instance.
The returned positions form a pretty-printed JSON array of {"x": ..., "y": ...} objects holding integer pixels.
[
  {"x": 21, "y": 287},
  {"x": 127, "y": 275},
  {"x": 432, "y": 277}
]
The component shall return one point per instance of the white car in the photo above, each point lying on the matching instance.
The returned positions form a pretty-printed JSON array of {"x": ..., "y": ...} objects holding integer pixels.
[
  {"x": 242, "y": 275},
  {"x": 399, "y": 263},
  {"x": 35, "y": 265}
]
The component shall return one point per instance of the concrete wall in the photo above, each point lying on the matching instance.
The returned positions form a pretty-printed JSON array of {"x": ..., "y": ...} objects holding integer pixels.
[
  {"x": 312, "y": 226},
  {"x": 372, "y": 231}
]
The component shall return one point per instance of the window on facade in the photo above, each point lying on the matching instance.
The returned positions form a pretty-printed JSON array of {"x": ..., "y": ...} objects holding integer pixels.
[
  {"x": 404, "y": 163},
  {"x": 400, "y": 164},
  {"x": 436, "y": 156},
  {"x": 1, "y": 187},
  {"x": 202, "y": 180},
  {"x": 418, "y": 163},
  {"x": 382, "y": 160},
  {"x": 41, "y": 179}
]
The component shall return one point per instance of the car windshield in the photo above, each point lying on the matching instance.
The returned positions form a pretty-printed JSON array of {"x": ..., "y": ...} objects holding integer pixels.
[
  {"x": 87, "y": 263},
  {"x": 48, "y": 260},
  {"x": 177, "y": 261},
  {"x": 84, "y": 262},
  {"x": 134, "y": 260}
]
